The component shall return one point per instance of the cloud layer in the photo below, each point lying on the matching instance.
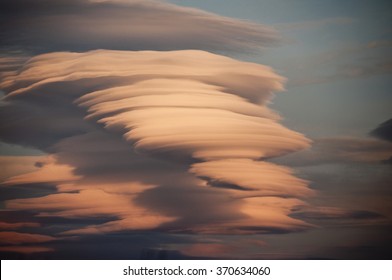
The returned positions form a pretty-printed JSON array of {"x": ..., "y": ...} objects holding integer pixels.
[
  {"x": 40, "y": 25},
  {"x": 170, "y": 141}
]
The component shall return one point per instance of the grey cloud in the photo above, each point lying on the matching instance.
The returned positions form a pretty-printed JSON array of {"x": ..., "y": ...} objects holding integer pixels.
[
  {"x": 350, "y": 71},
  {"x": 383, "y": 131},
  {"x": 336, "y": 213},
  {"x": 218, "y": 208},
  {"x": 351, "y": 190},
  {"x": 25, "y": 191},
  {"x": 99, "y": 156},
  {"x": 79, "y": 25},
  {"x": 340, "y": 150}
]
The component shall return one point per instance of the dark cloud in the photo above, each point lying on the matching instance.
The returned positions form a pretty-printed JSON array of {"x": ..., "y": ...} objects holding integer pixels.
[
  {"x": 25, "y": 191},
  {"x": 187, "y": 201},
  {"x": 387, "y": 161},
  {"x": 119, "y": 246},
  {"x": 372, "y": 243},
  {"x": 340, "y": 150},
  {"x": 40, "y": 26},
  {"x": 329, "y": 213},
  {"x": 28, "y": 221},
  {"x": 30, "y": 122},
  {"x": 383, "y": 131}
]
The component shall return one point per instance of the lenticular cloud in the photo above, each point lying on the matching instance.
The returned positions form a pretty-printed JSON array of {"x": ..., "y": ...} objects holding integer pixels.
[{"x": 161, "y": 140}]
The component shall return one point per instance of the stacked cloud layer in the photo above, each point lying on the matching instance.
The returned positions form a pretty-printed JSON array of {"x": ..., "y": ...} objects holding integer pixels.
[{"x": 172, "y": 141}]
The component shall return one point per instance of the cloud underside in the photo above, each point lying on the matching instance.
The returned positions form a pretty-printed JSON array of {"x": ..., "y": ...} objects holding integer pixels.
[
  {"x": 383, "y": 131},
  {"x": 173, "y": 141},
  {"x": 40, "y": 26}
]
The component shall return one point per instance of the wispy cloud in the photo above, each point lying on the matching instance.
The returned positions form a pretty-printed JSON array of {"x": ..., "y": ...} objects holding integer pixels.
[
  {"x": 11, "y": 237},
  {"x": 313, "y": 24},
  {"x": 341, "y": 150},
  {"x": 349, "y": 61},
  {"x": 8, "y": 226},
  {"x": 26, "y": 249}
]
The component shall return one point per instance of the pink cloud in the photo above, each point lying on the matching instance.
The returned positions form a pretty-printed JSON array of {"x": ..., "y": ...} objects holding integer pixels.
[
  {"x": 26, "y": 249},
  {"x": 8, "y": 226},
  {"x": 11, "y": 237},
  {"x": 149, "y": 129}
]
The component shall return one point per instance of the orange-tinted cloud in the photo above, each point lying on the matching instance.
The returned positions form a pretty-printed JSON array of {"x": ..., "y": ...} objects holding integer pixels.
[
  {"x": 8, "y": 226},
  {"x": 172, "y": 141},
  {"x": 11, "y": 237},
  {"x": 49, "y": 171},
  {"x": 94, "y": 202},
  {"x": 16, "y": 165},
  {"x": 256, "y": 177},
  {"x": 26, "y": 249}
]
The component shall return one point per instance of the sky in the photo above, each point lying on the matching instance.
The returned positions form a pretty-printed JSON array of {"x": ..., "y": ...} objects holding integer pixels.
[{"x": 141, "y": 129}]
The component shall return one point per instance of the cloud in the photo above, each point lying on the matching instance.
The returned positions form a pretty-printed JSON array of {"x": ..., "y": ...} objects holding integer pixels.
[
  {"x": 383, "y": 131},
  {"x": 349, "y": 61},
  {"x": 10, "y": 62},
  {"x": 208, "y": 250},
  {"x": 93, "y": 203},
  {"x": 335, "y": 213},
  {"x": 80, "y": 25},
  {"x": 313, "y": 24},
  {"x": 223, "y": 248},
  {"x": 341, "y": 150},
  {"x": 48, "y": 172},
  {"x": 16, "y": 165},
  {"x": 11, "y": 237},
  {"x": 25, "y": 249},
  {"x": 169, "y": 141},
  {"x": 247, "y": 175},
  {"x": 358, "y": 71},
  {"x": 5, "y": 225}
]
